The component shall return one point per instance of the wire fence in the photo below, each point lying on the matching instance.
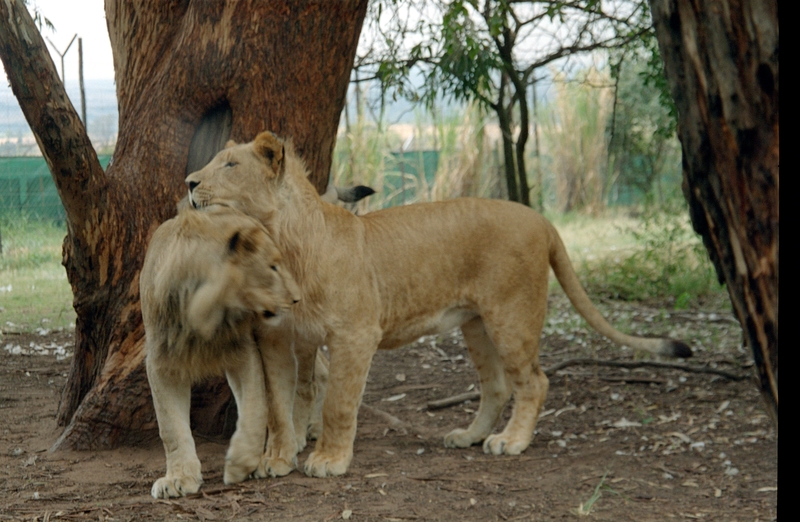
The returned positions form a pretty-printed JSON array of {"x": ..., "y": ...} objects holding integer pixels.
[{"x": 27, "y": 188}]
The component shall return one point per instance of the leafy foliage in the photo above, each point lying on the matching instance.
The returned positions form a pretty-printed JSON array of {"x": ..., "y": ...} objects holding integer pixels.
[
  {"x": 39, "y": 19},
  {"x": 669, "y": 262},
  {"x": 488, "y": 52},
  {"x": 643, "y": 148}
]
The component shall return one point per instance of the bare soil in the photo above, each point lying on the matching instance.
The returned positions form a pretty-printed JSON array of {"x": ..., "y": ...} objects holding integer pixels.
[{"x": 645, "y": 444}]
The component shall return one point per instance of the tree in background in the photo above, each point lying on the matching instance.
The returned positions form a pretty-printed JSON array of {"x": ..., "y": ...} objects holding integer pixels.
[
  {"x": 721, "y": 62},
  {"x": 189, "y": 75},
  {"x": 643, "y": 147},
  {"x": 490, "y": 51}
]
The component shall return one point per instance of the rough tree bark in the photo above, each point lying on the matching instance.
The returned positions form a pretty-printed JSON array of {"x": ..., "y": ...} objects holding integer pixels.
[
  {"x": 721, "y": 62},
  {"x": 189, "y": 75}
]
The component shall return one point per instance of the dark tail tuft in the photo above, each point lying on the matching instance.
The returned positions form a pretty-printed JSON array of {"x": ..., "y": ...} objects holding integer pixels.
[
  {"x": 362, "y": 191},
  {"x": 673, "y": 348}
]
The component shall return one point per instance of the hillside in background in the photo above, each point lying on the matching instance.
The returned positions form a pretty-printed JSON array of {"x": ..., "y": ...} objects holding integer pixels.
[{"x": 16, "y": 138}]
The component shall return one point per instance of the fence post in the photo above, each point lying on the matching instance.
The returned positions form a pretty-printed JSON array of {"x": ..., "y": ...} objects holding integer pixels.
[{"x": 80, "y": 80}]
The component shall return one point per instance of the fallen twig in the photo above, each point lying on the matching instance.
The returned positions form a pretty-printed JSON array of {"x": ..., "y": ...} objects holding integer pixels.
[
  {"x": 393, "y": 421},
  {"x": 634, "y": 379},
  {"x": 456, "y": 399},
  {"x": 462, "y": 479},
  {"x": 642, "y": 364},
  {"x": 712, "y": 317},
  {"x": 474, "y": 395},
  {"x": 703, "y": 316}
]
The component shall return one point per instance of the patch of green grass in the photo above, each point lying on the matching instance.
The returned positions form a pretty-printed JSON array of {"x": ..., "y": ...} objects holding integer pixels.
[
  {"x": 588, "y": 238},
  {"x": 585, "y": 508},
  {"x": 34, "y": 291},
  {"x": 654, "y": 256}
]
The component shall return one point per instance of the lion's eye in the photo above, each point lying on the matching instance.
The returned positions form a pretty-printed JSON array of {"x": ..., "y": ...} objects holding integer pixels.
[
  {"x": 275, "y": 268},
  {"x": 231, "y": 164}
]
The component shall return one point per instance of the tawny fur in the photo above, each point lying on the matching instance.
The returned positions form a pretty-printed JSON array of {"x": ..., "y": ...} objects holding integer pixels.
[
  {"x": 386, "y": 278},
  {"x": 213, "y": 287}
]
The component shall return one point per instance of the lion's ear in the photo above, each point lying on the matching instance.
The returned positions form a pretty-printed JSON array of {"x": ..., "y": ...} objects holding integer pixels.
[
  {"x": 268, "y": 146},
  {"x": 229, "y": 144},
  {"x": 243, "y": 241}
]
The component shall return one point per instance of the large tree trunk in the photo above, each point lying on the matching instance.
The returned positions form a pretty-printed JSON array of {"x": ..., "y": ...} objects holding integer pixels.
[
  {"x": 721, "y": 61},
  {"x": 189, "y": 75}
]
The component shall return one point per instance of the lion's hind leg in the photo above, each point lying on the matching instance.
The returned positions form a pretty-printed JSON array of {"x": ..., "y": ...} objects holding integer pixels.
[
  {"x": 280, "y": 369},
  {"x": 246, "y": 380},
  {"x": 321, "y": 386},
  {"x": 495, "y": 390},
  {"x": 312, "y": 382},
  {"x": 312, "y": 370},
  {"x": 518, "y": 349},
  {"x": 172, "y": 401}
]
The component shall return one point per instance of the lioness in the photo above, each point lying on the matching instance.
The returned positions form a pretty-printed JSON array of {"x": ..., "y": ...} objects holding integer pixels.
[
  {"x": 391, "y": 276},
  {"x": 213, "y": 287}
]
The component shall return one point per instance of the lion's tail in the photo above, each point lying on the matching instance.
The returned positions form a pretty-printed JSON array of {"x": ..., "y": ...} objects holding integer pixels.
[{"x": 566, "y": 276}]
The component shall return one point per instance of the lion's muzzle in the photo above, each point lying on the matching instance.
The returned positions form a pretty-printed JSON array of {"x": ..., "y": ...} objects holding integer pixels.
[{"x": 192, "y": 185}]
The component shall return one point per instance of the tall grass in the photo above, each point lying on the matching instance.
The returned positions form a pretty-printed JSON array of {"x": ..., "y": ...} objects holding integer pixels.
[
  {"x": 574, "y": 139},
  {"x": 467, "y": 164},
  {"x": 360, "y": 157}
]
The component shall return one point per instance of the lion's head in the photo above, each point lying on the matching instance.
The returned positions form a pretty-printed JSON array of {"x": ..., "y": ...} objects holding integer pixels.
[
  {"x": 242, "y": 175},
  {"x": 222, "y": 263},
  {"x": 251, "y": 273},
  {"x": 251, "y": 177}
]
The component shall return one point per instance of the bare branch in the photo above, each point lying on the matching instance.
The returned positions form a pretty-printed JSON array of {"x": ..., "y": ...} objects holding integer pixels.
[
  {"x": 475, "y": 395},
  {"x": 645, "y": 364}
]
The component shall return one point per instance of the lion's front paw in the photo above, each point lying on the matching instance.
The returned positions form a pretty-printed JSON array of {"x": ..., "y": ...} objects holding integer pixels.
[
  {"x": 240, "y": 462},
  {"x": 320, "y": 464},
  {"x": 167, "y": 487},
  {"x": 237, "y": 473},
  {"x": 501, "y": 444},
  {"x": 460, "y": 438},
  {"x": 274, "y": 467}
]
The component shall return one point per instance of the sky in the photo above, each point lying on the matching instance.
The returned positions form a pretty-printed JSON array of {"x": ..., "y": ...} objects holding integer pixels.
[{"x": 86, "y": 18}]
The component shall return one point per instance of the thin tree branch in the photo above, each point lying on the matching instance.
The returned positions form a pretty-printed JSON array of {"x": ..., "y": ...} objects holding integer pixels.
[
  {"x": 475, "y": 395},
  {"x": 644, "y": 364}
]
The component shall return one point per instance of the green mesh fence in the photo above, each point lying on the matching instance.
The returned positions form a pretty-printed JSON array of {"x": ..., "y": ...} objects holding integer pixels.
[{"x": 26, "y": 187}]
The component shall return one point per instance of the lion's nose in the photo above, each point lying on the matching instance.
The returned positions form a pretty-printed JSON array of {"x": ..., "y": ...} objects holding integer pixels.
[{"x": 192, "y": 185}]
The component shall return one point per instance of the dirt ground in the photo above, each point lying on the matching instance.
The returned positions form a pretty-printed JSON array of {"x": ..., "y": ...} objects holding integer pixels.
[{"x": 621, "y": 444}]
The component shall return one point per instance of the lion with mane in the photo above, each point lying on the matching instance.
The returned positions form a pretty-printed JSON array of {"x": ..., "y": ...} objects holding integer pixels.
[
  {"x": 384, "y": 279},
  {"x": 213, "y": 292}
]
